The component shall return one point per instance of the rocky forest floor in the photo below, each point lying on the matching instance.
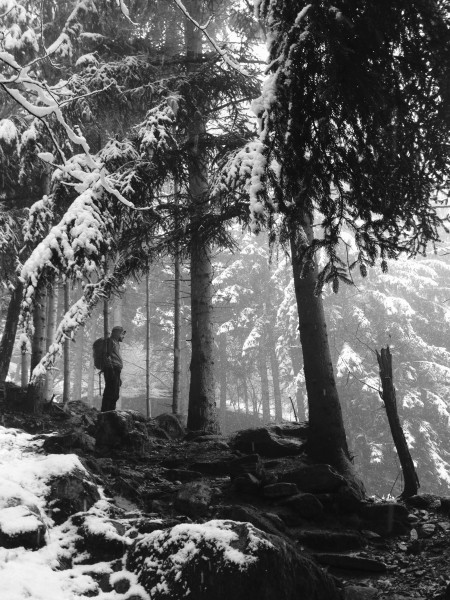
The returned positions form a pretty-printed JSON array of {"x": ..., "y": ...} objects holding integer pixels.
[{"x": 385, "y": 550}]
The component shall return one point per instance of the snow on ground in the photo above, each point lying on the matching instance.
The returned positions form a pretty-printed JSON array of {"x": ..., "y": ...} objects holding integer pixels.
[{"x": 34, "y": 575}]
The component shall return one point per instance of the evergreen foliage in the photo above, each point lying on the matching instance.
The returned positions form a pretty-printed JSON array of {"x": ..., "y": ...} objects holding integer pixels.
[{"x": 355, "y": 113}]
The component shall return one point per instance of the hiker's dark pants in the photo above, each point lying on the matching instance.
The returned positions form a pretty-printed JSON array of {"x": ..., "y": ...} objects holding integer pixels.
[{"x": 112, "y": 388}]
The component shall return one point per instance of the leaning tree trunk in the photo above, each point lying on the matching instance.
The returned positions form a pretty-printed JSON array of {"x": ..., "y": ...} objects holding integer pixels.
[
  {"x": 327, "y": 440},
  {"x": 9, "y": 333},
  {"x": 202, "y": 409},
  {"x": 411, "y": 481}
]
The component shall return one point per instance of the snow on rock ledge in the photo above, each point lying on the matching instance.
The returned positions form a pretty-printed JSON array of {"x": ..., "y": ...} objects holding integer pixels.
[
  {"x": 219, "y": 560},
  {"x": 52, "y": 487}
]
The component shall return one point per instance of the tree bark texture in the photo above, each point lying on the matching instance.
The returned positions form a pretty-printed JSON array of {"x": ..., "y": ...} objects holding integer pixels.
[
  {"x": 10, "y": 331},
  {"x": 327, "y": 440},
  {"x": 411, "y": 481},
  {"x": 202, "y": 409}
]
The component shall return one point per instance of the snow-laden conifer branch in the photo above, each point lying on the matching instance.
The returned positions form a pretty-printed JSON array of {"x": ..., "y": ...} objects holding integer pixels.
[
  {"x": 72, "y": 28},
  {"x": 40, "y": 218},
  {"x": 76, "y": 245}
]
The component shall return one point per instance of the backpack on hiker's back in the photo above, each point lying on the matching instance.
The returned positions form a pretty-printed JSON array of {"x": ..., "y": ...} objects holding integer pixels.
[{"x": 99, "y": 352}]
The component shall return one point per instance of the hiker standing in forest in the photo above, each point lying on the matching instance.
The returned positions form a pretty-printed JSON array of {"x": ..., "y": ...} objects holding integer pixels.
[{"x": 112, "y": 369}]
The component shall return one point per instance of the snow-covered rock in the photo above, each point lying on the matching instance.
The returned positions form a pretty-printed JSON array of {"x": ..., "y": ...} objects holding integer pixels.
[
  {"x": 21, "y": 526},
  {"x": 225, "y": 559}
]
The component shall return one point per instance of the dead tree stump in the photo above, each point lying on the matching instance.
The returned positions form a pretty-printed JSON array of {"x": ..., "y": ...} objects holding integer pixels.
[{"x": 411, "y": 481}]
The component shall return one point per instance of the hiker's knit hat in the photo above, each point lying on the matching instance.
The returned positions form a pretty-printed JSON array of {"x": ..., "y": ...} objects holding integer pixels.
[{"x": 118, "y": 328}]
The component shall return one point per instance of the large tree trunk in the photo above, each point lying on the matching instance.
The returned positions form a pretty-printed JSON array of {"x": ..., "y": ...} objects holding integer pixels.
[
  {"x": 411, "y": 481},
  {"x": 327, "y": 440},
  {"x": 9, "y": 333},
  {"x": 202, "y": 409}
]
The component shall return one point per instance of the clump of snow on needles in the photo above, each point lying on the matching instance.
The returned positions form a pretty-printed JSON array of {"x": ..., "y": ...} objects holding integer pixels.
[{"x": 8, "y": 132}]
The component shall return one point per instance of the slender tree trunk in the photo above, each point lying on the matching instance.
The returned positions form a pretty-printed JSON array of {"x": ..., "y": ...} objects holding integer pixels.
[
  {"x": 105, "y": 318},
  {"x": 222, "y": 341},
  {"x": 296, "y": 362},
  {"x": 275, "y": 379},
  {"x": 10, "y": 331},
  {"x": 265, "y": 396},
  {"x": 91, "y": 372},
  {"x": 327, "y": 440},
  {"x": 118, "y": 310},
  {"x": 25, "y": 367},
  {"x": 185, "y": 360},
  {"x": 147, "y": 345},
  {"x": 176, "y": 336},
  {"x": 36, "y": 390},
  {"x": 91, "y": 381},
  {"x": 66, "y": 350},
  {"x": 202, "y": 410},
  {"x": 52, "y": 316},
  {"x": 411, "y": 481},
  {"x": 77, "y": 388},
  {"x": 245, "y": 392}
]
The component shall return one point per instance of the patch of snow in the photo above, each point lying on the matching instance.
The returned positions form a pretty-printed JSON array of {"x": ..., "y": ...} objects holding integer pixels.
[{"x": 8, "y": 132}]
